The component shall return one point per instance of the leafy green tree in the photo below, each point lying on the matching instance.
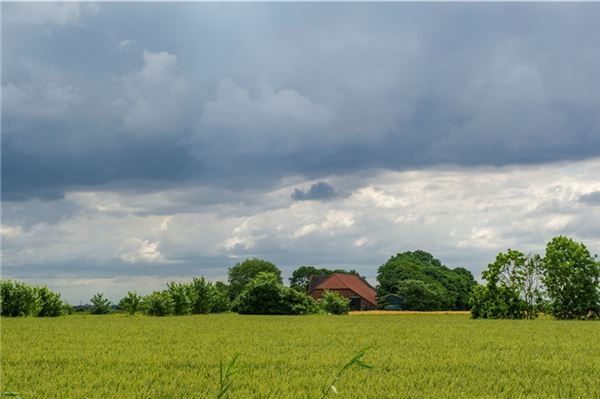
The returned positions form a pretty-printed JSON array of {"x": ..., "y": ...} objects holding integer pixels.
[
  {"x": 202, "y": 295},
  {"x": 261, "y": 295},
  {"x": 158, "y": 303},
  {"x": 265, "y": 294},
  {"x": 513, "y": 288},
  {"x": 572, "y": 279},
  {"x": 298, "y": 303},
  {"x": 181, "y": 295},
  {"x": 131, "y": 302},
  {"x": 453, "y": 285},
  {"x": 50, "y": 303},
  {"x": 220, "y": 301},
  {"x": 242, "y": 273},
  {"x": 334, "y": 303},
  {"x": 18, "y": 299},
  {"x": 100, "y": 304},
  {"x": 419, "y": 295}
]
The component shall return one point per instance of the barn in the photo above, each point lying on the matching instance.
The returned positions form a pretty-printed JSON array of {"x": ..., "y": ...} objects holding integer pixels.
[{"x": 361, "y": 295}]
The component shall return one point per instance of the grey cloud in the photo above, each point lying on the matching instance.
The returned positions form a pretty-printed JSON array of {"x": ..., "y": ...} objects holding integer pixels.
[
  {"x": 318, "y": 191},
  {"x": 592, "y": 198},
  {"x": 395, "y": 86}
]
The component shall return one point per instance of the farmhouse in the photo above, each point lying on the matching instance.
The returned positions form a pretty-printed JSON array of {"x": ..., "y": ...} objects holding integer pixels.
[{"x": 362, "y": 296}]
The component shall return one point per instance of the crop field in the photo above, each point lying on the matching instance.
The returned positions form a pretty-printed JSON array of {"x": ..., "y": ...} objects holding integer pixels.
[{"x": 413, "y": 356}]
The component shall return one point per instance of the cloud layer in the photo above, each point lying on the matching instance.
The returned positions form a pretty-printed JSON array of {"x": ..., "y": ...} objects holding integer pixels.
[{"x": 334, "y": 134}]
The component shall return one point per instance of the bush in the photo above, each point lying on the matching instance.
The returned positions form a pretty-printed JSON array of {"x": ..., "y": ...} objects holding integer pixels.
[
  {"x": 334, "y": 303},
  {"x": 100, "y": 305},
  {"x": 202, "y": 296},
  {"x": 131, "y": 302},
  {"x": 298, "y": 303},
  {"x": 159, "y": 303},
  {"x": 180, "y": 295},
  {"x": 50, "y": 303},
  {"x": 18, "y": 299},
  {"x": 220, "y": 300},
  {"x": 266, "y": 295}
]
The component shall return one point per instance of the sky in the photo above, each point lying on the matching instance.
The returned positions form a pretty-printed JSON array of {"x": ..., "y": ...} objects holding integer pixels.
[{"x": 149, "y": 142}]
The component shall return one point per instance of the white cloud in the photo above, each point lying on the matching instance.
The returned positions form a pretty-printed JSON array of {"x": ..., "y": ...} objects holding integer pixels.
[
  {"x": 152, "y": 102},
  {"x": 137, "y": 250}
]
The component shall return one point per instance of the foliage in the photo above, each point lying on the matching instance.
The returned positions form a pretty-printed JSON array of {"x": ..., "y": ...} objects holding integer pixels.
[
  {"x": 18, "y": 299},
  {"x": 50, "y": 303},
  {"x": 452, "y": 286},
  {"x": 220, "y": 298},
  {"x": 181, "y": 297},
  {"x": 419, "y": 295},
  {"x": 202, "y": 296},
  {"x": 158, "y": 303},
  {"x": 266, "y": 295},
  {"x": 100, "y": 304},
  {"x": 242, "y": 273},
  {"x": 131, "y": 302},
  {"x": 416, "y": 356},
  {"x": 572, "y": 279},
  {"x": 300, "y": 279},
  {"x": 334, "y": 303}
]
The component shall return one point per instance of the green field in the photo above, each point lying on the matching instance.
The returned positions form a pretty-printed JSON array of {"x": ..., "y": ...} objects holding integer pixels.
[{"x": 414, "y": 356}]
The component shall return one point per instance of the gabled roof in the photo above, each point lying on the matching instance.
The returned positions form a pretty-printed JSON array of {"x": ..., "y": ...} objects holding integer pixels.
[{"x": 348, "y": 282}]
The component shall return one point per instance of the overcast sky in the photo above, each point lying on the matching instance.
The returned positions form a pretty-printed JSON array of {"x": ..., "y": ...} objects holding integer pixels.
[{"x": 149, "y": 142}]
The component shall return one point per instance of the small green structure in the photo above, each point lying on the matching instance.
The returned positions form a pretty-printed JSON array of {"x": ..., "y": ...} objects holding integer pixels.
[{"x": 391, "y": 302}]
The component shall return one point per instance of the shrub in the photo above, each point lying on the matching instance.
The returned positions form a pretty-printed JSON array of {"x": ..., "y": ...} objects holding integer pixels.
[
  {"x": 100, "y": 305},
  {"x": 334, "y": 303},
  {"x": 131, "y": 302},
  {"x": 158, "y": 303},
  {"x": 220, "y": 300},
  {"x": 266, "y": 295},
  {"x": 202, "y": 296},
  {"x": 50, "y": 303},
  {"x": 18, "y": 299},
  {"x": 299, "y": 303},
  {"x": 180, "y": 294}
]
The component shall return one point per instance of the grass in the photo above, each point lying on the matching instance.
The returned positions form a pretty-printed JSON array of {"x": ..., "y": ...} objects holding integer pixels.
[{"x": 413, "y": 356}]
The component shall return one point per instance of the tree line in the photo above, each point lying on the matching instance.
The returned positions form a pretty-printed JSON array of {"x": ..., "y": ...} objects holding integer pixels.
[{"x": 564, "y": 283}]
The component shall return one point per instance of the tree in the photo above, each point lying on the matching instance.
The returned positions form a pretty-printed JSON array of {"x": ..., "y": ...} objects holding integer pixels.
[
  {"x": 18, "y": 299},
  {"x": 453, "y": 286},
  {"x": 50, "y": 303},
  {"x": 220, "y": 301},
  {"x": 513, "y": 288},
  {"x": 572, "y": 279},
  {"x": 419, "y": 295},
  {"x": 202, "y": 295},
  {"x": 265, "y": 294},
  {"x": 158, "y": 303},
  {"x": 334, "y": 303},
  {"x": 181, "y": 298},
  {"x": 131, "y": 302},
  {"x": 242, "y": 273},
  {"x": 100, "y": 304}
]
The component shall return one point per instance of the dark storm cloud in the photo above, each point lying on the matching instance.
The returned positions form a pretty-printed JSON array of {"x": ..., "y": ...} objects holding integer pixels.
[
  {"x": 318, "y": 191},
  {"x": 242, "y": 95}
]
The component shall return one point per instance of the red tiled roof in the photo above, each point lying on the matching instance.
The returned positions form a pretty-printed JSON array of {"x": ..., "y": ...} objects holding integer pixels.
[{"x": 350, "y": 282}]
